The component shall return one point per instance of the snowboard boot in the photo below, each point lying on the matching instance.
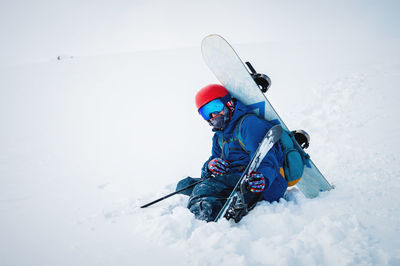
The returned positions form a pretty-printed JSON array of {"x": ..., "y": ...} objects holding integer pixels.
[{"x": 202, "y": 210}]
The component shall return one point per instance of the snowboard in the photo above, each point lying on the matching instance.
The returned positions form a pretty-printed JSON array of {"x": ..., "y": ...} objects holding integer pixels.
[
  {"x": 229, "y": 69},
  {"x": 235, "y": 201}
]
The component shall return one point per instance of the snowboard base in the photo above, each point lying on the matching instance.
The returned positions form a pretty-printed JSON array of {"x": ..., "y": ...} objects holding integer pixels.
[{"x": 229, "y": 69}]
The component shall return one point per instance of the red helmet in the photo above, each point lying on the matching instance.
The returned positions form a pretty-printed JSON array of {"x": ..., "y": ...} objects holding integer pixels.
[{"x": 211, "y": 92}]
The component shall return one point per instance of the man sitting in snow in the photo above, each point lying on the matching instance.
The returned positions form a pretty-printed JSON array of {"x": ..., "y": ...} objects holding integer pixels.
[{"x": 229, "y": 157}]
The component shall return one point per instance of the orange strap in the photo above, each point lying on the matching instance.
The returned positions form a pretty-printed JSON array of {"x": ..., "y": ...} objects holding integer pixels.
[{"x": 291, "y": 183}]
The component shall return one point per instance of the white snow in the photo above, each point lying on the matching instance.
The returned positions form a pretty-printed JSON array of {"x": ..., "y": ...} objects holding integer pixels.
[{"x": 87, "y": 139}]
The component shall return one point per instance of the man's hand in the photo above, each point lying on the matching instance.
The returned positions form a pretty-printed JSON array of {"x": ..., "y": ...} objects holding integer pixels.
[
  {"x": 218, "y": 166},
  {"x": 256, "y": 182}
]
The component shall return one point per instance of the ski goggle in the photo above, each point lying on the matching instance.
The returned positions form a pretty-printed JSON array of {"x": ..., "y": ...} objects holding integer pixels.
[{"x": 215, "y": 106}]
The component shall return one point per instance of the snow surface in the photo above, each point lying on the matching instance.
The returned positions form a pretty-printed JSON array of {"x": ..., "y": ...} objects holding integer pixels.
[{"x": 86, "y": 140}]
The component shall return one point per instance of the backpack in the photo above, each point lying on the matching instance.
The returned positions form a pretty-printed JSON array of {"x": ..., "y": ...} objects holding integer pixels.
[{"x": 294, "y": 156}]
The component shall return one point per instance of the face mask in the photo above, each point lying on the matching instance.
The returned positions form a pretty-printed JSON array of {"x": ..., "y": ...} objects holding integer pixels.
[{"x": 220, "y": 122}]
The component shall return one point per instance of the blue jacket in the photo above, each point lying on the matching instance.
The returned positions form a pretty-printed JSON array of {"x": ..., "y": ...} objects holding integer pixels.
[{"x": 253, "y": 130}]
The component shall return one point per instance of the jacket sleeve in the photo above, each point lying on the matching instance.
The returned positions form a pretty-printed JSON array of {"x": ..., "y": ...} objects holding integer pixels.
[
  {"x": 253, "y": 131},
  {"x": 215, "y": 152}
]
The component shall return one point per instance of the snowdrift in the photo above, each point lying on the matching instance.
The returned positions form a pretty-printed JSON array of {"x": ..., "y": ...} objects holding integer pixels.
[{"x": 86, "y": 140}]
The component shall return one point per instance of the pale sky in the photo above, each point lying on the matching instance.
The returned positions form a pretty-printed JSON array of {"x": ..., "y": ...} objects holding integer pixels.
[{"x": 41, "y": 30}]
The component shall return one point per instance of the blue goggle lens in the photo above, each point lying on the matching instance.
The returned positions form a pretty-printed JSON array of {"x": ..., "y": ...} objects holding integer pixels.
[{"x": 215, "y": 106}]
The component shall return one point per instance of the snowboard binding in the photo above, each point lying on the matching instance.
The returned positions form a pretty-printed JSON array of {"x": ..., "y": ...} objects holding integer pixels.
[
  {"x": 302, "y": 138},
  {"x": 262, "y": 80},
  {"x": 236, "y": 210}
]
